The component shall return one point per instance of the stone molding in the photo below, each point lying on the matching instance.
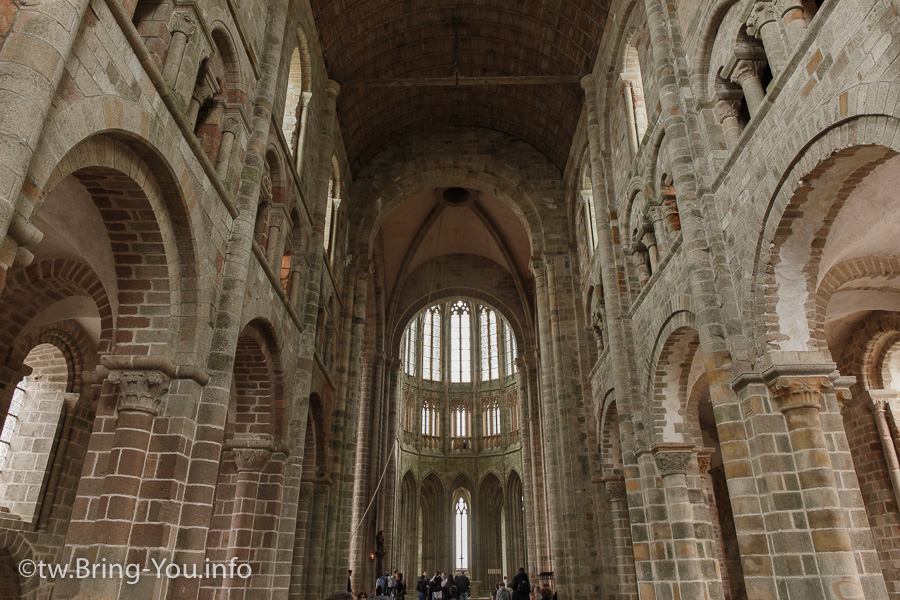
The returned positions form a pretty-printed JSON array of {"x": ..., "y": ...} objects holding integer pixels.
[{"x": 140, "y": 390}]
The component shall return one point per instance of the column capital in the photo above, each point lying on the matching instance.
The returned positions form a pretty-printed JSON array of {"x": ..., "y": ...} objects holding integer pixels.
[
  {"x": 842, "y": 387},
  {"x": 798, "y": 385},
  {"x": 745, "y": 69},
  {"x": 726, "y": 109},
  {"x": 879, "y": 399},
  {"x": 589, "y": 83},
  {"x": 251, "y": 452},
  {"x": 139, "y": 390},
  {"x": 673, "y": 458},
  {"x": 704, "y": 460},
  {"x": 332, "y": 88},
  {"x": 761, "y": 13}
]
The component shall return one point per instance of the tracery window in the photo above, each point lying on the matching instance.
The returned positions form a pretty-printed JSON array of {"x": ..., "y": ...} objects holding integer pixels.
[
  {"x": 429, "y": 417},
  {"x": 492, "y": 416},
  {"x": 331, "y": 210},
  {"x": 460, "y": 339},
  {"x": 462, "y": 533},
  {"x": 490, "y": 359},
  {"x": 431, "y": 345},
  {"x": 12, "y": 421},
  {"x": 410, "y": 352},
  {"x": 460, "y": 420},
  {"x": 590, "y": 220},
  {"x": 510, "y": 349}
]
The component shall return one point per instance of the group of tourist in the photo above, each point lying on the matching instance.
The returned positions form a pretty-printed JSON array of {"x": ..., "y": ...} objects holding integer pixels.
[{"x": 441, "y": 586}]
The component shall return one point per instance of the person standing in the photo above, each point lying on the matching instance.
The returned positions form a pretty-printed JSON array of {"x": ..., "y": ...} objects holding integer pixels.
[
  {"x": 502, "y": 592},
  {"x": 462, "y": 586},
  {"x": 520, "y": 586},
  {"x": 422, "y": 586},
  {"x": 349, "y": 587},
  {"x": 437, "y": 593}
]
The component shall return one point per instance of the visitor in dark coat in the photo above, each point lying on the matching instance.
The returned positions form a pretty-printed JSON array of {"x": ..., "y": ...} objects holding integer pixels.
[{"x": 520, "y": 586}]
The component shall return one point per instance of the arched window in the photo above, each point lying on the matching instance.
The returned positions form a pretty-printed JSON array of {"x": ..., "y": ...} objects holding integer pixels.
[
  {"x": 429, "y": 417},
  {"x": 460, "y": 419},
  {"x": 460, "y": 339},
  {"x": 510, "y": 340},
  {"x": 410, "y": 352},
  {"x": 492, "y": 416},
  {"x": 490, "y": 359},
  {"x": 431, "y": 345},
  {"x": 590, "y": 219},
  {"x": 331, "y": 209},
  {"x": 462, "y": 533},
  {"x": 12, "y": 421},
  {"x": 293, "y": 105},
  {"x": 635, "y": 103}
]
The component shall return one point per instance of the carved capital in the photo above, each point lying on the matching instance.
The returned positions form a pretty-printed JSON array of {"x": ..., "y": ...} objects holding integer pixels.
[
  {"x": 588, "y": 83},
  {"x": 185, "y": 22},
  {"x": 746, "y": 69},
  {"x": 140, "y": 390},
  {"x": 842, "y": 391},
  {"x": 879, "y": 400},
  {"x": 615, "y": 488},
  {"x": 704, "y": 460},
  {"x": 798, "y": 391},
  {"x": 786, "y": 6},
  {"x": 333, "y": 88},
  {"x": 762, "y": 13},
  {"x": 251, "y": 453},
  {"x": 672, "y": 459}
]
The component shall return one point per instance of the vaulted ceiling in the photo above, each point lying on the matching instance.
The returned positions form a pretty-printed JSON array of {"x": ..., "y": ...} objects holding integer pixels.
[{"x": 405, "y": 66}]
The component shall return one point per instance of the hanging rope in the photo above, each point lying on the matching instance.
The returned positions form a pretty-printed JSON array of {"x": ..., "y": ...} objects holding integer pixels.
[{"x": 374, "y": 494}]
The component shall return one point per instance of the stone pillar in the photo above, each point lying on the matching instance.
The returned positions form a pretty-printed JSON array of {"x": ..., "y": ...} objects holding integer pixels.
[
  {"x": 727, "y": 113},
  {"x": 315, "y": 548},
  {"x": 796, "y": 392},
  {"x": 628, "y": 95},
  {"x": 31, "y": 67},
  {"x": 794, "y": 21},
  {"x": 762, "y": 23},
  {"x": 250, "y": 458},
  {"x": 878, "y": 399},
  {"x": 683, "y": 569},
  {"x": 183, "y": 29},
  {"x": 230, "y": 131},
  {"x": 299, "y": 578},
  {"x": 746, "y": 74},
  {"x": 279, "y": 222},
  {"x": 364, "y": 468},
  {"x": 618, "y": 505},
  {"x": 526, "y": 436}
]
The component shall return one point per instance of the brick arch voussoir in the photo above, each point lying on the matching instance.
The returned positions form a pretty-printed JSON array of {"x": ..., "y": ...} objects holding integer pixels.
[
  {"x": 41, "y": 285},
  {"x": 859, "y": 358},
  {"x": 835, "y": 128},
  {"x": 110, "y": 132},
  {"x": 70, "y": 339},
  {"x": 845, "y": 272}
]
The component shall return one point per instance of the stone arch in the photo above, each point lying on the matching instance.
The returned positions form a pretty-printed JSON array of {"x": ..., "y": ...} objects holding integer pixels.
[
  {"x": 610, "y": 441},
  {"x": 848, "y": 151},
  {"x": 869, "y": 351},
  {"x": 227, "y": 50},
  {"x": 148, "y": 222},
  {"x": 667, "y": 379},
  {"x": 703, "y": 59},
  {"x": 408, "y": 516},
  {"x": 433, "y": 512},
  {"x": 14, "y": 548},
  {"x": 514, "y": 520},
  {"x": 259, "y": 384},
  {"x": 69, "y": 338},
  {"x": 488, "y": 520}
]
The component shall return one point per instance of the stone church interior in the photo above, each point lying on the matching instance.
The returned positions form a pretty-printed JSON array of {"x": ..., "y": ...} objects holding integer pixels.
[{"x": 607, "y": 290}]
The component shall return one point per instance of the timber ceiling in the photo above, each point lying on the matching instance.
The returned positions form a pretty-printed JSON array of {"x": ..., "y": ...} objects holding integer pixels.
[{"x": 536, "y": 51}]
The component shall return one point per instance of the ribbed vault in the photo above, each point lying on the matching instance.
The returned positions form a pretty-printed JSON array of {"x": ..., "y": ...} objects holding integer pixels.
[{"x": 412, "y": 42}]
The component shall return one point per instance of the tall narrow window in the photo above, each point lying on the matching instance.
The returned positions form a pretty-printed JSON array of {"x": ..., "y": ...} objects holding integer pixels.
[
  {"x": 411, "y": 347},
  {"x": 490, "y": 359},
  {"x": 461, "y": 420},
  {"x": 510, "y": 349},
  {"x": 462, "y": 534},
  {"x": 460, "y": 340},
  {"x": 431, "y": 345},
  {"x": 12, "y": 421},
  {"x": 635, "y": 103},
  {"x": 292, "y": 104},
  {"x": 331, "y": 209},
  {"x": 590, "y": 220},
  {"x": 429, "y": 418},
  {"x": 492, "y": 416}
]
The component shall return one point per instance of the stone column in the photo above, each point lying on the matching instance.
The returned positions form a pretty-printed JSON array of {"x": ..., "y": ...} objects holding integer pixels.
[
  {"x": 618, "y": 505},
  {"x": 183, "y": 29},
  {"x": 794, "y": 21},
  {"x": 364, "y": 468},
  {"x": 299, "y": 575},
  {"x": 231, "y": 129},
  {"x": 746, "y": 74},
  {"x": 683, "y": 569},
  {"x": 526, "y": 436},
  {"x": 31, "y": 66},
  {"x": 315, "y": 548},
  {"x": 250, "y": 458},
  {"x": 796, "y": 392},
  {"x": 727, "y": 113},
  {"x": 878, "y": 399},
  {"x": 628, "y": 97},
  {"x": 762, "y": 23}
]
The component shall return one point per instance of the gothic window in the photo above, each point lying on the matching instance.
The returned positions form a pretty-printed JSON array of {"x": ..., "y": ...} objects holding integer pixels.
[
  {"x": 431, "y": 345},
  {"x": 410, "y": 352},
  {"x": 510, "y": 340},
  {"x": 286, "y": 271},
  {"x": 12, "y": 421},
  {"x": 462, "y": 533},
  {"x": 490, "y": 360},
  {"x": 460, "y": 416},
  {"x": 512, "y": 401},
  {"x": 492, "y": 416},
  {"x": 460, "y": 340},
  {"x": 429, "y": 417},
  {"x": 293, "y": 105}
]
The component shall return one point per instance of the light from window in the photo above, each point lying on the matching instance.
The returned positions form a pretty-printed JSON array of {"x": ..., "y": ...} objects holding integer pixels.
[
  {"x": 492, "y": 417},
  {"x": 292, "y": 105},
  {"x": 590, "y": 221},
  {"x": 490, "y": 361},
  {"x": 429, "y": 414},
  {"x": 460, "y": 421},
  {"x": 411, "y": 347},
  {"x": 12, "y": 421},
  {"x": 462, "y": 534},
  {"x": 460, "y": 340},
  {"x": 331, "y": 211},
  {"x": 510, "y": 349},
  {"x": 286, "y": 272},
  {"x": 431, "y": 345}
]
